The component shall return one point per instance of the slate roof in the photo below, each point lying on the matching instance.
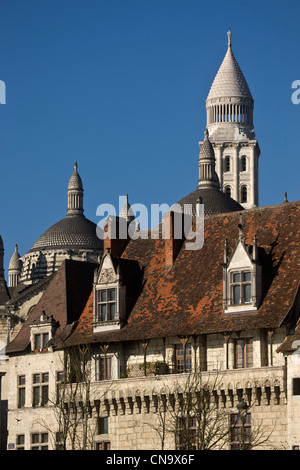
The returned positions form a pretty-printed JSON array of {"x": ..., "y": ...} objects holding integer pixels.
[
  {"x": 187, "y": 299},
  {"x": 214, "y": 200}
]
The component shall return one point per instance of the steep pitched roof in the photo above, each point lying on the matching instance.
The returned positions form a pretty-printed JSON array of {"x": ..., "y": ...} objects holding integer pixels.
[
  {"x": 187, "y": 299},
  {"x": 64, "y": 298}
]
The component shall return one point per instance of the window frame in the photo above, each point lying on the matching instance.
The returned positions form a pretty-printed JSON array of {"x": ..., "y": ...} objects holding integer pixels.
[
  {"x": 40, "y": 340},
  {"x": 244, "y": 162},
  {"x": 20, "y": 445},
  {"x": 21, "y": 391},
  {"x": 245, "y": 346},
  {"x": 40, "y": 389},
  {"x": 187, "y": 433},
  {"x": 237, "y": 426},
  {"x": 40, "y": 443},
  {"x": 244, "y": 194},
  {"x": 183, "y": 358},
  {"x": 296, "y": 386},
  {"x": 107, "y": 317},
  {"x": 242, "y": 284},
  {"x": 227, "y": 164},
  {"x": 103, "y": 367}
]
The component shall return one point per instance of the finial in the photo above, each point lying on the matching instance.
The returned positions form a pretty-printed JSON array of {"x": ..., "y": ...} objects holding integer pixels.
[
  {"x": 240, "y": 227},
  {"x": 229, "y": 34},
  {"x": 16, "y": 247},
  {"x": 285, "y": 197},
  {"x": 75, "y": 166}
]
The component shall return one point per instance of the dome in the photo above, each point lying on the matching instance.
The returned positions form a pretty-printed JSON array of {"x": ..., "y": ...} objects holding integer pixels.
[
  {"x": 229, "y": 81},
  {"x": 15, "y": 263},
  {"x": 72, "y": 233},
  {"x": 214, "y": 200}
]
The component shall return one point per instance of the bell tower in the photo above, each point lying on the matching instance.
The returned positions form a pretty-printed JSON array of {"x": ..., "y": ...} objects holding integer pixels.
[{"x": 229, "y": 111}]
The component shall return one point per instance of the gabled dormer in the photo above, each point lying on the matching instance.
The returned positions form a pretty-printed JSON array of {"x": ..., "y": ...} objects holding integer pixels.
[
  {"x": 241, "y": 277},
  {"x": 109, "y": 296},
  {"x": 42, "y": 330}
]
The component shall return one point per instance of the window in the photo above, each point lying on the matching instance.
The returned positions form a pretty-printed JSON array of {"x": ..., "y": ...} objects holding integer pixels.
[
  {"x": 228, "y": 191},
  {"x": 103, "y": 368},
  {"x": 40, "y": 393},
  {"x": 296, "y": 386},
  {"x": 187, "y": 428},
  {"x": 39, "y": 441},
  {"x": 106, "y": 308},
  {"x": 103, "y": 445},
  {"x": 243, "y": 353},
  {"x": 227, "y": 164},
  {"x": 21, "y": 391},
  {"x": 40, "y": 341},
  {"x": 183, "y": 358},
  {"x": 59, "y": 441},
  {"x": 244, "y": 163},
  {"x": 241, "y": 287},
  {"x": 20, "y": 444},
  {"x": 240, "y": 431},
  {"x": 244, "y": 194},
  {"x": 60, "y": 376},
  {"x": 103, "y": 426}
]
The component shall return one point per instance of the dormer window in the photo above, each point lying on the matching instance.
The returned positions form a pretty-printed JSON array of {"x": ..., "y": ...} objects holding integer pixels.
[
  {"x": 109, "y": 297},
  {"x": 42, "y": 330},
  {"x": 241, "y": 277}
]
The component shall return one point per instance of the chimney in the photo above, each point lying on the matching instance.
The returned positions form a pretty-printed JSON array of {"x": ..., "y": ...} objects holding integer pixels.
[
  {"x": 173, "y": 226},
  {"x": 116, "y": 236}
]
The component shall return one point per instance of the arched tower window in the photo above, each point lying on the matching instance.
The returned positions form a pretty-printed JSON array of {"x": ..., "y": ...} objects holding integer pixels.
[
  {"x": 228, "y": 191},
  {"x": 244, "y": 163},
  {"x": 227, "y": 164},
  {"x": 244, "y": 194}
]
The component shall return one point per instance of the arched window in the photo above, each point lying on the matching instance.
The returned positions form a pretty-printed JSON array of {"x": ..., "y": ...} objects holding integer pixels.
[
  {"x": 244, "y": 163},
  {"x": 227, "y": 164},
  {"x": 244, "y": 195},
  {"x": 228, "y": 191}
]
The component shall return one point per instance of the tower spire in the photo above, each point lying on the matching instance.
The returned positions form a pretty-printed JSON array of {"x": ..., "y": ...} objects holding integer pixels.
[
  {"x": 208, "y": 177},
  {"x": 229, "y": 34},
  {"x": 75, "y": 194}
]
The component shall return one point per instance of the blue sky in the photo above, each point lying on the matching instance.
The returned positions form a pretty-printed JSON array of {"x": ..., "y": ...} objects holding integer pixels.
[{"x": 120, "y": 86}]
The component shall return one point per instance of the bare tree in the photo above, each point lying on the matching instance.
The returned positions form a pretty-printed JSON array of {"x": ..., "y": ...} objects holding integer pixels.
[
  {"x": 190, "y": 411},
  {"x": 75, "y": 404}
]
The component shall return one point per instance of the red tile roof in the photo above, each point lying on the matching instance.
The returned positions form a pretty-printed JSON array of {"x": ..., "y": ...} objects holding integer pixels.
[{"x": 187, "y": 298}]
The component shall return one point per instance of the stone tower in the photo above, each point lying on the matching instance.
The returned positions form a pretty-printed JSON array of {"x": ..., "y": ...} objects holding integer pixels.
[
  {"x": 229, "y": 108},
  {"x": 14, "y": 268}
]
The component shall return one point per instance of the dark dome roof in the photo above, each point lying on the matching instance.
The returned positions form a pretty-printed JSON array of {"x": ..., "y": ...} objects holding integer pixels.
[
  {"x": 75, "y": 232},
  {"x": 214, "y": 200}
]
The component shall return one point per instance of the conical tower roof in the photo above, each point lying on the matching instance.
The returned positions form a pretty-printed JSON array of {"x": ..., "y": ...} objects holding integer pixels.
[
  {"x": 15, "y": 263},
  {"x": 230, "y": 80},
  {"x": 75, "y": 181}
]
